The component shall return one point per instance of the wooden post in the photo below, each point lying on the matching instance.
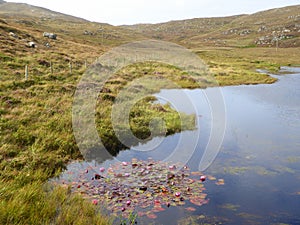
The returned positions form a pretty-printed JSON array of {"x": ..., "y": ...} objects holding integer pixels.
[
  {"x": 26, "y": 72},
  {"x": 51, "y": 67},
  {"x": 85, "y": 64},
  {"x": 71, "y": 69}
]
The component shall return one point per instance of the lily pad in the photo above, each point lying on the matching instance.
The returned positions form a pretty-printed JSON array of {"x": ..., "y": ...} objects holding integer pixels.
[
  {"x": 146, "y": 187},
  {"x": 191, "y": 209},
  {"x": 151, "y": 216},
  {"x": 220, "y": 182}
]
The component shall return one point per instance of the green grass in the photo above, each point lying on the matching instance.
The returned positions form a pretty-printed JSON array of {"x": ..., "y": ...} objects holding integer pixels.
[{"x": 37, "y": 203}]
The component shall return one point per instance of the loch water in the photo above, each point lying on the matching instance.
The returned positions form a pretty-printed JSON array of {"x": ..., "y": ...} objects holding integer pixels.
[{"x": 259, "y": 154}]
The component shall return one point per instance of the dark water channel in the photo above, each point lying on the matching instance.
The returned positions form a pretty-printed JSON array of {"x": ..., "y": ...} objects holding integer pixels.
[{"x": 259, "y": 158}]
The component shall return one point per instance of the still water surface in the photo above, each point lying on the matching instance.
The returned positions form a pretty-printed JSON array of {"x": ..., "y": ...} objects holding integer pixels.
[{"x": 259, "y": 157}]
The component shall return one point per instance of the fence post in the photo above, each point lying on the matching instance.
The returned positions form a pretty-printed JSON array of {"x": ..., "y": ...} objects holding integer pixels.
[
  {"x": 71, "y": 69},
  {"x": 26, "y": 72},
  {"x": 51, "y": 67}
]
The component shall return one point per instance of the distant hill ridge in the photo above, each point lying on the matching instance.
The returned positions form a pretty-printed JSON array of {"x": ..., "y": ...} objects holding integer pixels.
[
  {"x": 260, "y": 28},
  {"x": 263, "y": 28},
  {"x": 22, "y": 9}
]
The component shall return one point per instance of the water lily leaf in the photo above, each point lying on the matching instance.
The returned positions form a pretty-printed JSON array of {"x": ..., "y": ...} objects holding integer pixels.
[
  {"x": 158, "y": 209},
  {"x": 191, "y": 209},
  {"x": 181, "y": 203},
  {"x": 220, "y": 182},
  {"x": 141, "y": 214},
  {"x": 211, "y": 178},
  {"x": 195, "y": 202},
  {"x": 151, "y": 216},
  {"x": 196, "y": 173},
  {"x": 203, "y": 195},
  {"x": 173, "y": 204}
]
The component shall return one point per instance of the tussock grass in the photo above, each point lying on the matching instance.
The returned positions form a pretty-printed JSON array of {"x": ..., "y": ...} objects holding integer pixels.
[{"x": 37, "y": 203}]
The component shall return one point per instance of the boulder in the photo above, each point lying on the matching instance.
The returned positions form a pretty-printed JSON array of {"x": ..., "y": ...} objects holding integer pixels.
[{"x": 31, "y": 44}]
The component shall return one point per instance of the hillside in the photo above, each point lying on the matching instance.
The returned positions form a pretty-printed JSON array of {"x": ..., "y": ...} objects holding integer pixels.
[
  {"x": 12, "y": 10},
  {"x": 78, "y": 40},
  {"x": 259, "y": 29},
  {"x": 181, "y": 29}
]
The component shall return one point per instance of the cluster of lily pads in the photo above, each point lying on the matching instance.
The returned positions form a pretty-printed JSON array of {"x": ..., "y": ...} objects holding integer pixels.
[{"x": 142, "y": 187}]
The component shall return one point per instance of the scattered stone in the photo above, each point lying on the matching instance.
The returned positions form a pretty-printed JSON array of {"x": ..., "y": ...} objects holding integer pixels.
[
  {"x": 12, "y": 34},
  {"x": 48, "y": 45},
  {"x": 86, "y": 32},
  {"x": 262, "y": 28},
  {"x": 50, "y": 35},
  {"x": 31, "y": 44},
  {"x": 245, "y": 32}
]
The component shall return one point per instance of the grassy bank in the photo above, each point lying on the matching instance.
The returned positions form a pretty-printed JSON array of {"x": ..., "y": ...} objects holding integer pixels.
[
  {"x": 37, "y": 139},
  {"x": 36, "y": 143},
  {"x": 36, "y": 203},
  {"x": 235, "y": 66}
]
